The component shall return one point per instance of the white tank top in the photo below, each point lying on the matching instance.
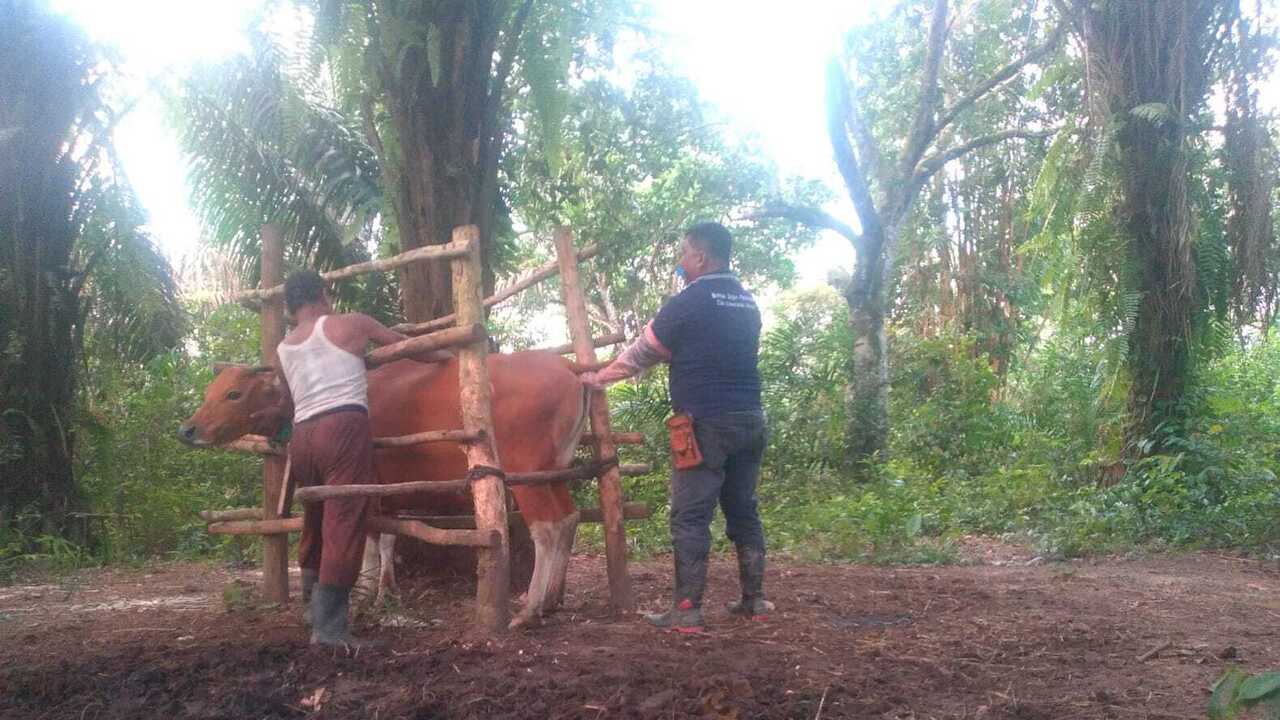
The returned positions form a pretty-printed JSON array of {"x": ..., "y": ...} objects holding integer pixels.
[{"x": 321, "y": 375}]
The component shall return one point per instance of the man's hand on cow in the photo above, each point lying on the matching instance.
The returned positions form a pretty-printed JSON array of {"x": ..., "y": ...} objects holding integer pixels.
[{"x": 591, "y": 380}]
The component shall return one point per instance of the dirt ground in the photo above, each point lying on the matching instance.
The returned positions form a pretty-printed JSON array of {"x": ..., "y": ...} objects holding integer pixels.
[{"x": 1005, "y": 637}]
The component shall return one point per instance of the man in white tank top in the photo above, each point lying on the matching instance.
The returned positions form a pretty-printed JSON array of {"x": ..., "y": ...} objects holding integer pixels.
[{"x": 326, "y": 394}]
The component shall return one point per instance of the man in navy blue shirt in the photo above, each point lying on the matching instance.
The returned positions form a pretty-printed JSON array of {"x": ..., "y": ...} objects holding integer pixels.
[{"x": 710, "y": 335}]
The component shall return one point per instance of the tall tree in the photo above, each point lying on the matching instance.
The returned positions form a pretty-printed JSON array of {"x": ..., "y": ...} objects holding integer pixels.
[
  {"x": 1149, "y": 68},
  {"x": 884, "y": 171},
  {"x": 72, "y": 254},
  {"x": 433, "y": 83}
]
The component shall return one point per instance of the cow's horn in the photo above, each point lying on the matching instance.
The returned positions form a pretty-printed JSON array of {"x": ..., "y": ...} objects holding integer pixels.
[{"x": 262, "y": 369}]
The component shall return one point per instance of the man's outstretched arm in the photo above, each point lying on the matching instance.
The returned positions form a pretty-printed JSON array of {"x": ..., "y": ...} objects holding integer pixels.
[{"x": 639, "y": 356}]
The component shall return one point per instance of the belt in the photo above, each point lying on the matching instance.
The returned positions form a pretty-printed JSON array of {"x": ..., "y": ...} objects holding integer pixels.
[{"x": 330, "y": 411}]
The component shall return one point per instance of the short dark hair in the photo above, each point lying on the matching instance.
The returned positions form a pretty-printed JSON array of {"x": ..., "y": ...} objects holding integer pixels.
[
  {"x": 713, "y": 239},
  {"x": 303, "y": 288}
]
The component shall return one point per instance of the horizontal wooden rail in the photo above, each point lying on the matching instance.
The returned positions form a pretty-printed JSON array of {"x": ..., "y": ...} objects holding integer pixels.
[
  {"x": 433, "y": 535},
  {"x": 449, "y": 338},
  {"x": 254, "y": 445},
  {"x": 447, "y": 251},
  {"x": 430, "y": 436},
  {"x": 545, "y": 477},
  {"x": 318, "y": 493},
  {"x": 253, "y": 513},
  {"x": 580, "y": 368},
  {"x": 630, "y": 511},
  {"x": 619, "y": 438},
  {"x": 522, "y": 283},
  {"x": 279, "y": 526},
  {"x": 259, "y": 445},
  {"x": 602, "y": 341},
  {"x": 412, "y": 528}
]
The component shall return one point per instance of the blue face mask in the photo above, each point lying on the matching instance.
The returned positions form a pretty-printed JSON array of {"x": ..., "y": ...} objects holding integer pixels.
[{"x": 680, "y": 273}]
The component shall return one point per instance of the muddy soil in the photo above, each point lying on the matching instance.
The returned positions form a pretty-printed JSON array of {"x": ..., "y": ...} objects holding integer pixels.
[{"x": 1006, "y": 637}]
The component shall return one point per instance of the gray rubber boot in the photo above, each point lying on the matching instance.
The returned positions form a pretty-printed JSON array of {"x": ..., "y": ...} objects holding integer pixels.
[
  {"x": 309, "y": 580},
  {"x": 329, "y": 608},
  {"x": 685, "y": 614},
  {"x": 751, "y": 573}
]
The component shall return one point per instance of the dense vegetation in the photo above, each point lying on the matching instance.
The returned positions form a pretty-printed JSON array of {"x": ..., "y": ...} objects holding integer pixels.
[{"x": 1058, "y": 366}]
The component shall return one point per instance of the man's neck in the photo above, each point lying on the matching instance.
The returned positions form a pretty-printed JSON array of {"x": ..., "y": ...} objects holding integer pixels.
[
  {"x": 712, "y": 271},
  {"x": 309, "y": 314}
]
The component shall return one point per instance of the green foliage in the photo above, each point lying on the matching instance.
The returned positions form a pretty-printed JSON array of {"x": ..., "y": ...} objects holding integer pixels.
[
  {"x": 1236, "y": 693},
  {"x": 143, "y": 484},
  {"x": 265, "y": 145}
]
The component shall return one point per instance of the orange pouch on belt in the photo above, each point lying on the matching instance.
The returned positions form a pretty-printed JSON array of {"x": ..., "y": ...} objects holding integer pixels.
[{"x": 684, "y": 444}]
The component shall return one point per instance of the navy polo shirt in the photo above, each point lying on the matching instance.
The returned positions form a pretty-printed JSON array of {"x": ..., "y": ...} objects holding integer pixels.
[{"x": 712, "y": 329}]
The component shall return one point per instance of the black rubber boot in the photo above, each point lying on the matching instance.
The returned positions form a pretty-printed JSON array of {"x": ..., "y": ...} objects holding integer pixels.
[
  {"x": 309, "y": 580},
  {"x": 751, "y": 573},
  {"x": 329, "y": 607},
  {"x": 685, "y": 614}
]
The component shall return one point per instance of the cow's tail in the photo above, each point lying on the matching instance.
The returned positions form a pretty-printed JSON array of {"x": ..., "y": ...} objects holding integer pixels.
[{"x": 564, "y": 454}]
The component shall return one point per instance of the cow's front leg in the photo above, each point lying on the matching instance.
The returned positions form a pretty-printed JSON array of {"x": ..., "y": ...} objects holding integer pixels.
[{"x": 553, "y": 546}]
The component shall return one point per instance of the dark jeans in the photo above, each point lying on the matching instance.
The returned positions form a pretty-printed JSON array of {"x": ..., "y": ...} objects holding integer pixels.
[{"x": 732, "y": 447}]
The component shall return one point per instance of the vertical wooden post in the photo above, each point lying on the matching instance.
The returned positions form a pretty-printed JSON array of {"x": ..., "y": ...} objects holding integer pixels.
[
  {"x": 275, "y": 548},
  {"x": 493, "y": 581},
  {"x": 615, "y": 532}
]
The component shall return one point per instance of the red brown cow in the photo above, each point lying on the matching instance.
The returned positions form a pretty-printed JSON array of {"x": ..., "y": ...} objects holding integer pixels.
[{"x": 539, "y": 413}]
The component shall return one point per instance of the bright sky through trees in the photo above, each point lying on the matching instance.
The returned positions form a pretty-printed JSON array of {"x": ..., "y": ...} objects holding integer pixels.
[{"x": 761, "y": 64}]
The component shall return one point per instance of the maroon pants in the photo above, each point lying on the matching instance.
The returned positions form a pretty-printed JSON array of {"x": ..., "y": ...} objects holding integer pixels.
[{"x": 333, "y": 449}]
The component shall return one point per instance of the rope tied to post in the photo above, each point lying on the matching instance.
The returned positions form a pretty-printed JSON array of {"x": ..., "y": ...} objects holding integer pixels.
[{"x": 480, "y": 472}]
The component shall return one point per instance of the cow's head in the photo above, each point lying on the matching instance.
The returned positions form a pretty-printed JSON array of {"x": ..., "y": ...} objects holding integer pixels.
[{"x": 233, "y": 405}]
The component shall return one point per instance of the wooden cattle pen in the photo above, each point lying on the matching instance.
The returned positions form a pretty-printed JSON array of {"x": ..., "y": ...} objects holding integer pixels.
[{"x": 463, "y": 331}]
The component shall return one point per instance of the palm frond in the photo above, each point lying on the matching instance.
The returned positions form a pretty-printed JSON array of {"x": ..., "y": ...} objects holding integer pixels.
[{"x": 263, "y": 149}]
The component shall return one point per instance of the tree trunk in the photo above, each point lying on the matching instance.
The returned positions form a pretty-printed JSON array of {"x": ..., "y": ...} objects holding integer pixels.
[
  {"x": 868, "y": 394},
  {"x": 444, "y": 111}
]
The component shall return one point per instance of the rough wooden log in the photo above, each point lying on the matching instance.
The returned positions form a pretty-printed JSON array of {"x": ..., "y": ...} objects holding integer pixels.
[
  {"x": 580, "y": 367},
  {"x": 274, "y": 527},
  {"x": 602, "y": 341},
  {"x": 434, "y": 535},
  {"x": 254, "y": 444},
  {"x": 493, "y": 580},
  {"x": 456, "y": 337},
  {"x": 430, "y": 436},
  {"x": 318, "y": 493},
  {"x": 259, "y": 445},
  {"x": 619, "y": 438},
  {"x": 422, "y": 254},
  {"x": 523, "y": 283},
  {"x": 630, "y": 511},
  {"x": 275, "y": 549},
  {"x": 615, "y": 533},
  {"x": 231, "y": 514},
  {"x": 546, "y": 477}
]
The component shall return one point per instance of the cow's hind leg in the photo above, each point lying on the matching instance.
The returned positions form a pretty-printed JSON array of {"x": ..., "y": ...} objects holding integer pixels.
[
  {"x": 367, "y": 586},
  {"x": 552, "y": 519},
  {"x": 387, "y": 561}
]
